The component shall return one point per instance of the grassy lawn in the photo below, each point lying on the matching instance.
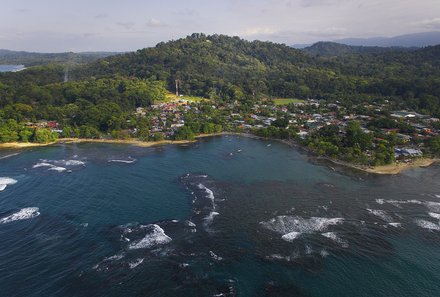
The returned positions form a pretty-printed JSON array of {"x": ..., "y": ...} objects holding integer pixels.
[
  {"x": 285, "y": 101},
  {"x": 171, "y": 97}
]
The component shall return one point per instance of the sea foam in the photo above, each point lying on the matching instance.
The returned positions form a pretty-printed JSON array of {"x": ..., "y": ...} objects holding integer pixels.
[
  {"x": 22, "y": 214},
  {"x": 210, "y": 218},
  {"x": 131, "y": 161},
  {"x": 209, "y": 192},
  {"x": 435, "y": 215},
  {"x": 57, "y": 168},
  {"x": 380, "y": 214},
  {"x": 291, "y": 236},
  {"x": 6, "y": 181},
  {"x": 427, "y": 225},
  {"x": 293, "y": 226},
  {"x": 74, "y": 163},
  {"x": 135, "y": 263},
  {"x": 155, "y": 237},
  {"x": 333, "y": 236}
]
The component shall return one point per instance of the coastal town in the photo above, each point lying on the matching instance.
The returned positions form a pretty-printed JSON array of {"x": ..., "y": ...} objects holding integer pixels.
[{"x": 372, "y": 134}]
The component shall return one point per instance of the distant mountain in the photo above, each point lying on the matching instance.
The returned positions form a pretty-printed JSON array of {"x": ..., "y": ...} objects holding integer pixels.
[
  {"x": 33, "y": 59},
  {"x": 329, "y": 49},
  {"x": 407, "y": 40}
]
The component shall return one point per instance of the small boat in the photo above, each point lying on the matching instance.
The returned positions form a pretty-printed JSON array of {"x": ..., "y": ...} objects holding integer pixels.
[
  {"x": 269, "y": 144},
  {"x": 239, "y": 150}
]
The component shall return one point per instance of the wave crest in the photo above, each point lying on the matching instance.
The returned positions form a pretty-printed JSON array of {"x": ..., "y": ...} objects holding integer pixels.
[{"x": 22, "y": 214}]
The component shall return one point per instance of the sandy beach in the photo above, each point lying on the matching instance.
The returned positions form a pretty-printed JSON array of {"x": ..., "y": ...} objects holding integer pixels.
[{"x": 400, "y": 167}]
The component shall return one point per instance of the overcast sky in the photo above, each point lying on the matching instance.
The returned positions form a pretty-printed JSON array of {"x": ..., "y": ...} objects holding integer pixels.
[{"x": 126, "y": 25}]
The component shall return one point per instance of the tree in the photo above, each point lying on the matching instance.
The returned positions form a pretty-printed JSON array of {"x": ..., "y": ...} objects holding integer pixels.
[
  {"x": 184, "y": 133},
  {"x": 43, "y": 135}
]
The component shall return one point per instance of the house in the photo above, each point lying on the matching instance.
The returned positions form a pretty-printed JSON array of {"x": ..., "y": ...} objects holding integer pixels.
[{"x": 407, "y": 152}]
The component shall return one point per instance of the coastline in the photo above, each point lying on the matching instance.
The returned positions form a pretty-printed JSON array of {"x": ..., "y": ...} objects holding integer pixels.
[
  {"x": 390, "y": 169},
  {"x": 136, "y": 142}
]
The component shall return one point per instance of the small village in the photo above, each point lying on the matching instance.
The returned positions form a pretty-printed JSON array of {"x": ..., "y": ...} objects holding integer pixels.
[
  {"x": 405, "y": 132},
  {"x": 410, "y": 129}
]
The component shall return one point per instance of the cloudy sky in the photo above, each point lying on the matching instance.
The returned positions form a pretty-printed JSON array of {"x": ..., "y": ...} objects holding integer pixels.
[{"x": 125, "y": 25}]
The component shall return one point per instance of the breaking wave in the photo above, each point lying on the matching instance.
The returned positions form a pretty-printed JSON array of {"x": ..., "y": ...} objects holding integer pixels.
[
  {"x": 135, "y": 263},
  {"x": 210, "y": 218},
  {"x": 155, "y": 237},
  {"x": 427, "y": 225},
  {"x": 293, "y": 226},
  {"x": 291, "y": 236},
  {"x": 431, "y": 205},
  {"x": 209, "y": 192},
  {"x": 57, "y": 168},
  {"x": 8, "y": 156},
  {"x": 74, "y": 163},
  {"x": 435, "y": 215},
  {"x": 6, "y": 181},
  {"x": 381, "y": 214},
  {"x": 22, "y": 214},
  {"x": 129, "y": 161},
  {"x": 333, "y": 236},
  {"x": 57, "y": 165}
]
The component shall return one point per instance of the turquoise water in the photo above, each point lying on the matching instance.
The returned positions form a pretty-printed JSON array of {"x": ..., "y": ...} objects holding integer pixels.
[{"x": 226, "y": 216}]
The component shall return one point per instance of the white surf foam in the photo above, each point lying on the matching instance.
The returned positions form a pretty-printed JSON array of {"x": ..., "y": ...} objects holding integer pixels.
[
  {"x": 190, "y": 224},
  {"x": 135, "y": 263},
  {"x": 435, "y": 215},
  {"x": 395, "y": 225},
  {"x": 214, "y": 256},
  {"x": 291, "y": 236},
  {"x": 8, "y": 156},
  {"x": 324, "y": 253},
  {"x": 131, "y": 161},
  {"x": 6, "y": 181},
  {"x": 210, "y": 218},
  {"x": 433, "y": 206},
  {"x": 114, "y": 257},
  {"x": 333, "y": 236},
  {"x": 155, "y": 237},
  {"x": 74, "y": 163},
  {"x": 57, "y": 168},
  {"x": 289, "y": 224},
  {"x": 22, "y": 214},
  {"x": 381, "y": 214},
  {"x": 427, "y": 225},
  {"x": 42, "y": 164},
  {"x": 380, "y": 201},
  {"x": 209, "y": 192}
]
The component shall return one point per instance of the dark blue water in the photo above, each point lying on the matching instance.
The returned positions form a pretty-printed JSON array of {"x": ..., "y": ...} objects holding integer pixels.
[
  {"x": 11, "y": 68},
  {"x": 226, "y": 216}
]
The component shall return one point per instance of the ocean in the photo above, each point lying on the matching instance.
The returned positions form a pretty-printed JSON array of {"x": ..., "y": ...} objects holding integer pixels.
[
  {"x": 11, "y": 68},
  {"x": 226, "y": 216}
]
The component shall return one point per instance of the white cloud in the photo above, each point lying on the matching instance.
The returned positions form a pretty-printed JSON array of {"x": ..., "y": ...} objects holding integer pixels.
[
  {"x": 429, "y": 23},
  {"x": 257, "y": 31},
  {"x": 155, "y": 23}
]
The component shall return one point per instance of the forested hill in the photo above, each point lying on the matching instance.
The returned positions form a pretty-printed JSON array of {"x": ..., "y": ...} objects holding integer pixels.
[
  {"x": 229, "y": 68},
  {"x": 215, "y": 66},
  {"x": 333, "y": 49}
]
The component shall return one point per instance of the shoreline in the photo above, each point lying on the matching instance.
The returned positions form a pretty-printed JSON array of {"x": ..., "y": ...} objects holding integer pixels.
[
  {"x": 136, "y": 142},
  {"x": 391, "y": 169}
]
